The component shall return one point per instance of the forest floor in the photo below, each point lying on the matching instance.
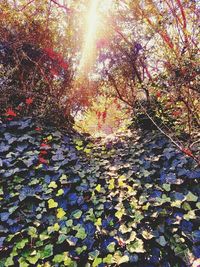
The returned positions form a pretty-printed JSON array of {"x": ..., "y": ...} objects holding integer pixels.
[{"x": 131, "y": 199}]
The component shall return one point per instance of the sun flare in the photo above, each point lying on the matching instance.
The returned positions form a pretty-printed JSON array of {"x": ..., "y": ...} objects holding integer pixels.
[{"x": 93, "y": 28}]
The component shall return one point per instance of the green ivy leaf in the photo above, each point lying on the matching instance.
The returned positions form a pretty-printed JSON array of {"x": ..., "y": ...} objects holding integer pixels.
[
  {"x": 61, "y": 238},
  {"x": 69, "y": 223},
  {"x": 77, "y": 214},
  {"x": 96, "y": 262},
  {"x": 33, "y": 259},
  {"x": 32, "y": 231},
  {"x": 137, "y": 246},
  {"x": 81, "y": 233},
  {"x": 46, "y": 252},
  {"x": 79, "y": 250},
  {"x": 21, "y": 244},
  {"x": 191, "y": 197},
  {"x": 111, "y": 247},
  {"x": 108, "y": 259},
  {"x": 166, "y": 187},
  {"x": 23, "y": 263},
  {"x": 9, "y": 262},
  {"x": 58, "y": 258}
]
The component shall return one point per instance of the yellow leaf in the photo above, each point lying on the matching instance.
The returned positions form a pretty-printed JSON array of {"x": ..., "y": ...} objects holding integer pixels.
[
  {"x": 111, "y": 184},
  {"x": 98, "y": 188},
  {"x": 56, "y": 227},
  {"x": 98, "y": 222},
  {"x": 52, "y": 185},
  {"x": 49, "y": 138},
  {"x": 60, "y": 213},
  {"x": 121, "y": 183},
  {"x": 60, "y": 192},
  {"x": 52, "y": 204}
]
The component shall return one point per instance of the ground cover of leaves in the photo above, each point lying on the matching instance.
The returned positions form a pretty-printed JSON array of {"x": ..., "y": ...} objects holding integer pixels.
[{"x": 131, "y": 200}]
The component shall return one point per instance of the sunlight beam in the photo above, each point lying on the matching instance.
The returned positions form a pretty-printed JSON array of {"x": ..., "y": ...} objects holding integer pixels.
[{"x": 89, "y": 45}]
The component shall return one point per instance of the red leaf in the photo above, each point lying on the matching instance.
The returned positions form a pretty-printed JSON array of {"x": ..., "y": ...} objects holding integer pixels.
[
  {"x": 45, "y": 145},
  {"x": 54, "y": 72},
  {"x": 104, "y": 114},
  {"x": 176, "y": 113},
  {"x": 158, "y": 94},
  {"x": 42, "y": 160},
  {"x": 10, "y": 112},
  {"x": 64, "y": 65},
  {"x": 99, "y": 115},
  {"x": 99, "y": 125},
  {"x": 38, "y": 129},
  {"x": 121, "y": 243},
  {"x": 29, "y": 101}
]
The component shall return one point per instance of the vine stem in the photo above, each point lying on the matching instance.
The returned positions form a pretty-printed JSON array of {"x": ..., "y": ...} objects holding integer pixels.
[{"x": 168, "y": 136}]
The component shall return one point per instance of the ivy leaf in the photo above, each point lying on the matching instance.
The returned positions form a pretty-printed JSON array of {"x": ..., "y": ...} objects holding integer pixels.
[
  {"x": 191, "y": 197},
  {"x": 108, "y": 259},
  {"x": 166, "y": 187},
  {"x": 97, "y": 262},
  {"x": 69, "y": 223},
  {"x": 4, "y": 216},
  {"x": 98, "y": 188},
  {"x": 21, "y": 244},
  {"x": 119, "y": 214},
  {"x": 161, "y": 240},
  {"x": 147, "y": 234},
  {"x": 56, "y": 227},
  {"x": 58, "y": 258},
  {"x": 77, "y": 214},
  {"x": 79, "y": 250},
  {"x": 46, "y": 252},
  {"x": 60, "y": 213},
  {"x": 137, "y": 246},
  {"x": 196, "y": 236},
  {"x": 33, "y": 259},
  {"x": 111, "y": 247},
  {"x": 60, "y": 192},
  {"x": 98, "y": 222},
  {"x": 123, "y": 259},
  {"x": 53, "y": 185},
  {"x": 9, "y": 262},
  {"x": 61, "y": 238},
  {"x": 52, "y": 204},
  {"x": 32, "y": 231},
  {"x": 81, "y": 233},
  {"x": 49, "y": 137},
  {"x": 23, "y": 263}
]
